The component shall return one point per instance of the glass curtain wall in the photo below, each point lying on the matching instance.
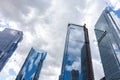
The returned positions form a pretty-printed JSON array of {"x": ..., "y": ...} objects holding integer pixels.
[
  {"x": 74, "y": 53},
  {"x": 107, "y": 34}
]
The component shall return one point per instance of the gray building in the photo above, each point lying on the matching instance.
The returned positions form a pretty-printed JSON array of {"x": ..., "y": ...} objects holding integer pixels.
[
  {"x": 9, "y": 39},
  {"x": 77, "y": 54},
  {"x": 32, "y": 65},
  {"x": 107, "y": 33}
]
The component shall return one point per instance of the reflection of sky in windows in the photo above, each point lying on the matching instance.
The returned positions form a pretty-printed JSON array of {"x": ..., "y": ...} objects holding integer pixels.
[
  {"x": 31, "y": 65},
  {"x": 74, "y": 51},
  {"x": 75, "y": 44},
  {"x": 117, "y": 51},
  {"x": 76, "y": 33},
  {"x": 117, "y": 12}
]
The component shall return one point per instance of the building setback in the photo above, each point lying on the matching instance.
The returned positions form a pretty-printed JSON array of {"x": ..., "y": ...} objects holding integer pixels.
[
  {"x": 108, "y": 36},
  {"x": 9, "y": 39},
  {"x": 77, "y": 54},
  {"x": 32, "y": 65}
]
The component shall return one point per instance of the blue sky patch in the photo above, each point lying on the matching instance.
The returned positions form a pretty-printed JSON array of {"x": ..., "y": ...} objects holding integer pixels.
[
  {"x": 117, "y": 12},
  {"x": 12, "y": 72}
]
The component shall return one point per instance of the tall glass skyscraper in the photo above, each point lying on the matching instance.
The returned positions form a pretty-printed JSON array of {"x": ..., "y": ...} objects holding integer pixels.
[
  {"x": 32, "y": 66},
  {"x": 108, "y": 36},
  {"x": 77, "y": 56},
  {"x": 9, "y": 39}
]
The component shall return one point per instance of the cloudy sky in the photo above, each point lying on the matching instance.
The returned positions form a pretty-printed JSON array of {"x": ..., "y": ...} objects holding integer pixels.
[{"x": 44, "y": 24}]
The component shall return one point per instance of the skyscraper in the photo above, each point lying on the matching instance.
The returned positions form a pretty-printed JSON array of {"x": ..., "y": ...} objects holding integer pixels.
[
  {"x": 108, "y": 36},
  {"x": 32, "y": 66},
  {"x": 77, "y": 54},
  {"x": 9, "y": 39}
]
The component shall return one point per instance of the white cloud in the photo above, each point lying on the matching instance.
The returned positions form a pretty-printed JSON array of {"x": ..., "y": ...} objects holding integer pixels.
[{"x": 15, "y": 10}]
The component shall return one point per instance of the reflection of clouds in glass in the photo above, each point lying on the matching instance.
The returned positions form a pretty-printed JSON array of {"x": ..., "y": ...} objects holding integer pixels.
[
  {"x": 31, "y": 66},
  {"x": 115, "y": 46},
  {"x": 77, "y": 34},
  {"x": 75, "y": 65},
  {"x": 75, "y": 44},
  {"x": 118, "y": 56},
  {"x": 117, "y": 51},
  {"x": 74, "y": 50},
  {"x": 13, "y": 32},
  {"x": 38, "y": 59}
]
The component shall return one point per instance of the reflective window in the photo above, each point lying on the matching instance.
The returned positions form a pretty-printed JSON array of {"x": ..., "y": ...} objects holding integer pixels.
[
  {"x": 32, "y": 66},
  {"x": 75, "y": 46},
  {"x": 76, "y": 33}
]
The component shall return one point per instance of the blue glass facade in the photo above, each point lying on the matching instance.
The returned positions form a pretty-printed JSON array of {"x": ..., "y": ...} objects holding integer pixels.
[
  {"x": 74, "y": 75},
  {"x": 9, "y": 39},
  {"x": 32, "y": 66},
  {"x": 108, "y": 36},
  {"x": 75, "y": 53}
]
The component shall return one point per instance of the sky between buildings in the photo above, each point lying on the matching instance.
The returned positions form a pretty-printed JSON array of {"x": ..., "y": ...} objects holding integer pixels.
[{"x": 44, "y": 24}]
